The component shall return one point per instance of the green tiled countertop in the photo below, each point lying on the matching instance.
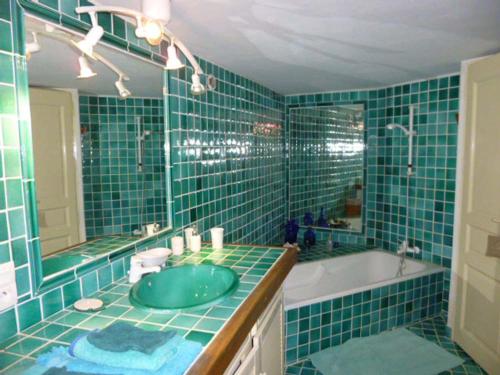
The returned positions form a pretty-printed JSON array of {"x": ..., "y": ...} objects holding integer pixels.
[{"x": 251, "y": 263}]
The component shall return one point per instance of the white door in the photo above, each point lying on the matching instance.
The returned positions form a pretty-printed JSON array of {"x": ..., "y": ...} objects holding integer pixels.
[
  {"x": 476, "y": 326},
  {"x": 55, "y": 168}
]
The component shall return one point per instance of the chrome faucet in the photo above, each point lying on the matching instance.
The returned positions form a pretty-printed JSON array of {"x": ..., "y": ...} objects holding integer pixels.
[
  {"x": 404, "y": 249},
  {"x": 137, "y": 269}
]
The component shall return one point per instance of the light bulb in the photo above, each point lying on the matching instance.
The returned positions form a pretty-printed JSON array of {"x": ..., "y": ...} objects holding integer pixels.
[
  {"x": 122, "y": 90},
  {"x": 173, "y": 61},
  {"x": 197, "y": 88},
  {"x": 151, "y": 30},
  {"x": 85, "y": 69}
]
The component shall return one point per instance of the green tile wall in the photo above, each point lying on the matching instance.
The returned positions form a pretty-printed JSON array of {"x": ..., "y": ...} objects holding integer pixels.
[
  {"x": 118, "y": 198},
  {"x": 326, "y": 160},
  {"x": 432, "y": 189},
  {"x": 223, "y": 173}
]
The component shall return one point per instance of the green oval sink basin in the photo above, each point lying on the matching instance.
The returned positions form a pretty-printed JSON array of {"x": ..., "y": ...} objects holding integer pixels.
[{"x": 185, "y": 287}]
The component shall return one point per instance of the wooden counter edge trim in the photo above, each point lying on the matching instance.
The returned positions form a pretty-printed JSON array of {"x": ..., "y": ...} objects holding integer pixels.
[{"x": 219, "y": 354}]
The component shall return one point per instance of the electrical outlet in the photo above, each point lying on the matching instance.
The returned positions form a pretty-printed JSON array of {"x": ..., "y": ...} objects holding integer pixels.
[{"x": 8, "y": 289}]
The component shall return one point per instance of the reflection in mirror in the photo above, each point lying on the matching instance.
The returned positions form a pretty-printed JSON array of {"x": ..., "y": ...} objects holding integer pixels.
[
  {"x": 99, "y": 147},
  {"x": 326, "y": 166}
]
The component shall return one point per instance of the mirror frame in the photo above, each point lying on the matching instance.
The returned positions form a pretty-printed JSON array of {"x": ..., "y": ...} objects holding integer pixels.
[
  {"x": 364, "y": 103},
  {"x": 39, "y": 284}
]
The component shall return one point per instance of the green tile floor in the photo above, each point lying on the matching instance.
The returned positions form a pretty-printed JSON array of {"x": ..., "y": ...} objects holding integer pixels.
[
  {"x": 434, "y": 330},
  {"x": 251, "y": 263}
]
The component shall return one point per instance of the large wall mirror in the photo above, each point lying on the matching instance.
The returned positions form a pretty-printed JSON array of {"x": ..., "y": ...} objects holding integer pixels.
[
  {"x": 100, "y": 145},
  {"x": 326, "y": 166}
]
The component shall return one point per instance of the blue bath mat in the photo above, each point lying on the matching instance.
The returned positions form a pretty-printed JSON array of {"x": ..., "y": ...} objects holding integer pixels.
[{"x": 389, "y": 353}]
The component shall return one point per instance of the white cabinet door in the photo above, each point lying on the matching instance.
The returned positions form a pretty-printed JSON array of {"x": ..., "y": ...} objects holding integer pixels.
[
  {"x": 249, "y": 364},
  {"x": 271, "y": 339}
]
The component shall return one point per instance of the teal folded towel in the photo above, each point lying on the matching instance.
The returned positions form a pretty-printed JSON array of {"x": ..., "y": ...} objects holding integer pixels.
[
  {"x": 132, "y": 359},
  {"x": 59, "y": 357},
  {"x": 120, "y": 337}
]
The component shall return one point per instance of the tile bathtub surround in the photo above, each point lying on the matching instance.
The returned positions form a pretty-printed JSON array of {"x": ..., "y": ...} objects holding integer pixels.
[
  {"x": 118, "y": 198},
  {"x": 225, "y": 172},
  {"x": 326, "y": 160},
  {"x": 434, "y": 330},
  {"x": 432, "y": 188},
  {"x": 251, "y": 263},
  {"x": 312, "y": 328}
]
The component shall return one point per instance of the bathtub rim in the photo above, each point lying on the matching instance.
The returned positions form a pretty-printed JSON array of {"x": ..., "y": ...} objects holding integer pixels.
[{"x": 430, "y": 269}]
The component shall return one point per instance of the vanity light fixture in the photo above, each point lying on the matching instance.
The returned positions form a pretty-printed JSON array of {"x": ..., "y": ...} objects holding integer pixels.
[
  {"x": 33, "y": 47},
  {"x": 85, "y": 69},
  {"x": 173, "y": 61},
  {"x": 150, "y": 25},
  {"x": 86, "y": 45}
]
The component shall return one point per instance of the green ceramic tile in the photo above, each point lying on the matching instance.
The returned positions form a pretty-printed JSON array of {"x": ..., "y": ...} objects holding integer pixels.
[
  {"x": 7, "y": 96},
  {"x": 71, "y": 335},
  {"x": 184, "y": 321},
  {"x": 51, "y": 331},
  {"x": 12, "y": 160},
  {"x": 71, "y": 293},
  {"x": 14, "y": 193},
  {"x": 73, "y": 318},
  {"x": 202, "y": 337},
  {"x": 8, "y": 324},
  {"x": 5, "y": 10},
  {"x": 10, "y": 133},
  {"x": 54, "y": 4},
  {"x": 29, "y": 313},
  {"x": 4, "y": 231},
  {"x": 22, "y": 280},
  {"x": 6, "y": 42},
  {"x": 16, "y": 222},
  {"x": 3, "y": 204},
  {"x": 26, "y": 346},
  {"x": 7, "y": 359},
  {"x": 96, "y": 322},
  {"x": 52, "y": 302},
  {"x": 212, "y": 325},
  {"x": 6, "y": 67}
]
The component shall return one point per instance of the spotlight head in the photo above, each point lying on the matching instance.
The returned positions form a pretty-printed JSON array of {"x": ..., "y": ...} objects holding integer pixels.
[
  {"x": 151, "y": 30},
  {"x": 122, "y": 90},
  {"x": 197, "y": 88},
  {"x": 85, "y": 69},
  {"x": 86, "y": 45},
  {"x": 173, "y": 61},
  {"x": 32, "y": 47}
]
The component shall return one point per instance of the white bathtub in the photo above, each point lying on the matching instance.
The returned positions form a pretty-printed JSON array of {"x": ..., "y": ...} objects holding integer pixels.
[{"x": 326, "y": 279}]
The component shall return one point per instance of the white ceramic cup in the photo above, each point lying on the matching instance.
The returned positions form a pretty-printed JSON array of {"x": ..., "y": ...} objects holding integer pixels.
[
  {"x": 195, "y": 243},
  {"x": 188, "y": 233},
  {"x": 217, "y": 238},
  {"x": 177, "y": 244}
]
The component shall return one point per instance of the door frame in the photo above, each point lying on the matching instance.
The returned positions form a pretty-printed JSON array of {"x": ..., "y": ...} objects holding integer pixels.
[{"x": 459, "y": 180}]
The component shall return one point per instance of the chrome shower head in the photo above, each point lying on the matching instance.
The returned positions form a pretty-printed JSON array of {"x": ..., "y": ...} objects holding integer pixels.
[{"x": 394, "y": 126}]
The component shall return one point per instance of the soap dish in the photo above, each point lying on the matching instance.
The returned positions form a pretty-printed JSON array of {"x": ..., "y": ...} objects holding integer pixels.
[{"x": 89, "y": 305}]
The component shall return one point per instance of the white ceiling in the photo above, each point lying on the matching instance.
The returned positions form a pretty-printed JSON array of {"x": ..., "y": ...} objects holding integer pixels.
[
  {"x": 56, "y": 65},
  {"x": 297, "y": 46},
  {"x": 300, "y": 46}
]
